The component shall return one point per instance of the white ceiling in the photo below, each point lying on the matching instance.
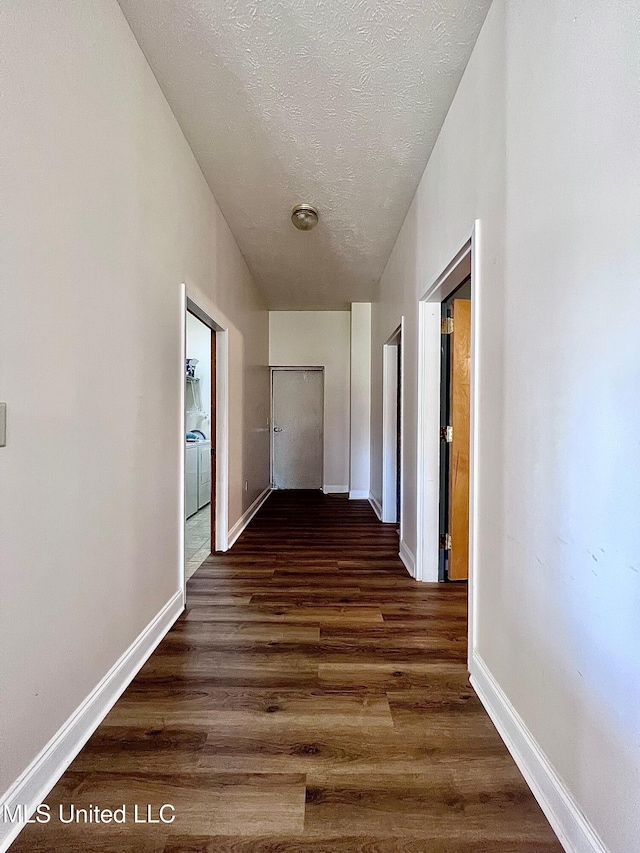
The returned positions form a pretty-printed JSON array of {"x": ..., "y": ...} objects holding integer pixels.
[{"x": 333, "y": 102}]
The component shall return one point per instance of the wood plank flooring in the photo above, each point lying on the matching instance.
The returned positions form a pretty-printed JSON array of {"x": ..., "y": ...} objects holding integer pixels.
[{"x": 312, "y": 699}]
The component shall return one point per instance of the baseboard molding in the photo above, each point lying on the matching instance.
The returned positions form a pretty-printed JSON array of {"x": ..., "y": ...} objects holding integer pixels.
[
  {"x": 335, "y": 490},
  {"x": 32, "y": 787},
  {"x": 377, "y": 506},
  {"x": 358, "y": 494},
  {"x": 240, "y": 525},
  {"x": 408, "y": 558},
  {"x": 563, "y": 813}
]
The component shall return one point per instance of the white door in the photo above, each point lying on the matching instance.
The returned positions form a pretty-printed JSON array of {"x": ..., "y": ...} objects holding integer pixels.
[{"x": 298, "y": 402}]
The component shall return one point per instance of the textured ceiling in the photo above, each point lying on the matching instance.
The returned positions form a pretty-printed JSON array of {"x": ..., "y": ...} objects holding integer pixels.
[{"x": 333, "y": 102}]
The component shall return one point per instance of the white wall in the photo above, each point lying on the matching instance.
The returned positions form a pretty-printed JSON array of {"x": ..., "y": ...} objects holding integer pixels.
[
  {"x": 104, "y": 214},
  {"x": 360, "y": 437},
  {"x": 541, "y": 144},
  {"x": 320, "y": 338},
  {"x": 199, "y": 346}
]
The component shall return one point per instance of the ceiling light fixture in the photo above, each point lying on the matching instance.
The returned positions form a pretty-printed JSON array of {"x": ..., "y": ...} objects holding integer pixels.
[{"x": 304, "y": 217}]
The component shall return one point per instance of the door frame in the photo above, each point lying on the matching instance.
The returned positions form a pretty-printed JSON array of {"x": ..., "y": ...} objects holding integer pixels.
[
  {"x": 391, "y": 477},
  {"x": 196, "y": 303},
  {"x": 272, "y": 370},
  {"x": 465, "y": 262}
]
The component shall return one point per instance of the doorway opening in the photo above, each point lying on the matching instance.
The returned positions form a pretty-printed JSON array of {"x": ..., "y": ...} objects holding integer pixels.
[
  {"x": 448, "y": 371},
  {"x": 205, "y": 413},
  {"x": 200, "y": 441},
  {"x": 297, "y": 419},
  {"x": 392, "y": 396}
]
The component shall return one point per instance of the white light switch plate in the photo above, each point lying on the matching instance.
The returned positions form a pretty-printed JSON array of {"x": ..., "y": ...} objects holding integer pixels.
[{"x": 3, "y": 424}]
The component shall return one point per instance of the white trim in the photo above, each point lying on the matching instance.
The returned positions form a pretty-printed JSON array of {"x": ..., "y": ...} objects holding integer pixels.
[
  {"x": 563, "y": 813},
  {"x": 32, "y": 787},
  {"x": 240, "y": 525},
  {"x": 408, "y": 558},
  {"x": 221, "y": 327},
  {"x": 376, "y": 505},
  {"x": 403, "y": 353},
  {"x": 360, "y": 400},
  {"x": 222, "y": 440},
  {"x": 465, "y": 261},
  {"x": 474, "y": 437},
  {"x": 335, "y": 490},
  {"x": 182, "y": 570}
]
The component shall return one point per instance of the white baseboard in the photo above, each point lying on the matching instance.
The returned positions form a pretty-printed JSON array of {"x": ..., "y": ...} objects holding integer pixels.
[
  {"x": 358, "y": 494},
  {"x": 32, "y": 787},
  {"x": 240, "y": 525},
  {"x": 563, "y": 813},
  {"x": 335, "y": 490},
  {"x": 408, "y": 558},
  {"x": 377, "y": 506}
]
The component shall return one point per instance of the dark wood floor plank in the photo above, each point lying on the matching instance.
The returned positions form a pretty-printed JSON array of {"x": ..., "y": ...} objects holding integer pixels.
[{"x": 313, "y": 698}]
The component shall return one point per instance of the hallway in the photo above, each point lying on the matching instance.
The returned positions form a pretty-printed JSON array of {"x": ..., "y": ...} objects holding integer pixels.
[{"x": 312, "y": 697}]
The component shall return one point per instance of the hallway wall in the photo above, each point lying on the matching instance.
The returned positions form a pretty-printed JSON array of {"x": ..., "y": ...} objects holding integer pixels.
[
  {"x": 321, "y": 338},
  {"x": 540, "y": 144},
  {"x": 105, "y": 214}
]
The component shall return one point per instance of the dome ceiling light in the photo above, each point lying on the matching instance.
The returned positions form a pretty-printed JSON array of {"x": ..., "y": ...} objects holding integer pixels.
[{"x": 304, "y": 217}]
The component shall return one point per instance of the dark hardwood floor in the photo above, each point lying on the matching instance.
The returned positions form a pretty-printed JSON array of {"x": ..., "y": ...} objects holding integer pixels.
[{"x": 312, "y": 699}]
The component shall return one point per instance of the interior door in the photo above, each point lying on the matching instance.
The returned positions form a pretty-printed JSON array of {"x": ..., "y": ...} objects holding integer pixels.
[
  {"x": 459, "y": 451},
  {"x": 298, "y": 403}
]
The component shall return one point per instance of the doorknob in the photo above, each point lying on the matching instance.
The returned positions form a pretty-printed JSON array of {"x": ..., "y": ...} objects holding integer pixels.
[{"x": 277, "y": 429}]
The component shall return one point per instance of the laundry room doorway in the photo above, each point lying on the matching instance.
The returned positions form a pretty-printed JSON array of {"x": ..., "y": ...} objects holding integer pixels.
[{"x": 200, "y": 441}]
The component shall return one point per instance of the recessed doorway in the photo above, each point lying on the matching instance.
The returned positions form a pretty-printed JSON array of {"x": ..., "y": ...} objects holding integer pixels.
[
  {"x": 200, "y": 441},
  {"x": 447, "y": 404},
  {"x": 205, "y": 434}
]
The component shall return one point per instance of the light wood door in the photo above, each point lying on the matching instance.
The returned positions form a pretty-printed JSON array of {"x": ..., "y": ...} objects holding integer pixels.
[{"x": 460, "y": 407}]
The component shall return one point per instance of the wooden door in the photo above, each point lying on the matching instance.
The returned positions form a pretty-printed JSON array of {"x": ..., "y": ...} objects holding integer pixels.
[{"x": 460, "y": 413}]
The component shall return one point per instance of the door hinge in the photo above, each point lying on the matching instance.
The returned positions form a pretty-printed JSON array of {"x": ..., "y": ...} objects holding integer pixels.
[
  {"x": 446, "y": 434},
  {"x": 445, "y": 542},
  {"x": 446, "y": 325}
]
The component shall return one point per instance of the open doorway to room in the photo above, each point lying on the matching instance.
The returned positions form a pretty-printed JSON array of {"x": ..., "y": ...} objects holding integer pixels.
[
  {"x": 200, "y": 441},
  {"x": 448, "y": 369},
  {"x": 392, "y": 429},
  {"x": 206, "y": 432}
]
